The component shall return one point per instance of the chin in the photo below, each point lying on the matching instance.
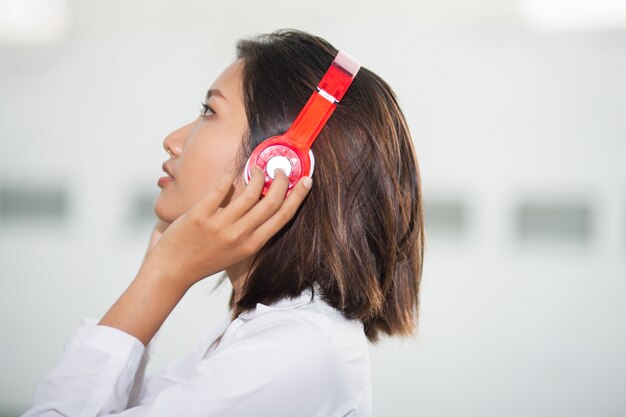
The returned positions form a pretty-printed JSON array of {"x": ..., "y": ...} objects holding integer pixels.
[{"x": 166, "y": 212}]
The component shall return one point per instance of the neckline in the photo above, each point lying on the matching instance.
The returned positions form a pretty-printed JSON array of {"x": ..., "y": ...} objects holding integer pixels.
[{"x": 306, "y": 297}]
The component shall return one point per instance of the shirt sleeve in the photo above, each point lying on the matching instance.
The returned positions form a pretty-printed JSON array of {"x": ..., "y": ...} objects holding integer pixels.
[
  {"x": 276, "y": 370},
  {"x": 115, "y": 363},
  {"x": 95, "y": 375}
]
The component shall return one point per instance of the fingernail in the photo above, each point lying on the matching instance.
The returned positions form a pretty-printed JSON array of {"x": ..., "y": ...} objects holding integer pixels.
[
  {"x": 307, "y": 182},
  {"x": 281, "y": 170}
]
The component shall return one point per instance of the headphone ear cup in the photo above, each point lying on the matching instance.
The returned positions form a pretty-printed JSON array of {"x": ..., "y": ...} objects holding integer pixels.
[
  {"x": 279, "y": 152},
  {"x": 246, "y": 176}
]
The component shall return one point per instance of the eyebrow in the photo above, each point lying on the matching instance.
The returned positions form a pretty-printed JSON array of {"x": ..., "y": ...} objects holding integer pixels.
[{"x": 215, "y": 92}]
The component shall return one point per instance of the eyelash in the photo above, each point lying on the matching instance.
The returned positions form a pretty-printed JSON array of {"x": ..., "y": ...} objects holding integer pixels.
[{"x": 203, "y": 109}]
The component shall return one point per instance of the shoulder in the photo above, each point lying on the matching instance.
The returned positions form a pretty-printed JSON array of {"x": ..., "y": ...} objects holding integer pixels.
[
  {"x": 291, "y": 354},
  {"x": 300, "y": 333},
  {"x": 294, "y": 342}
]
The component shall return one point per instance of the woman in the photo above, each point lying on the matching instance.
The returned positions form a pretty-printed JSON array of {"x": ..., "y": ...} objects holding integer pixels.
[{"x": 315, "y": 275}]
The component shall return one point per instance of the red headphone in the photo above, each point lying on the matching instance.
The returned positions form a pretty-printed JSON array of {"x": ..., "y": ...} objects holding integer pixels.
[{"x": 291, "y": 151}]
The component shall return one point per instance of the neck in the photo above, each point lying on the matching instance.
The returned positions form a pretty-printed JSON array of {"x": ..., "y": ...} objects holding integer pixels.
[{"x": 237, "y": 274}]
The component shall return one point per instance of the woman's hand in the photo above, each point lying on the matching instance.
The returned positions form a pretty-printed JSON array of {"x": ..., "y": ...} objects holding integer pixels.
[
  {"x": 205, "y": 240},
  {"x": 208, "y": 239}
]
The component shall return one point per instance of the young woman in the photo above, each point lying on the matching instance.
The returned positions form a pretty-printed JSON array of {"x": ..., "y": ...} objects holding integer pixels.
[{"x": 315, "y": 276}]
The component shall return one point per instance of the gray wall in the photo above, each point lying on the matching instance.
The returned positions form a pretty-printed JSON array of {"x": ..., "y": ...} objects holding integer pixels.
[{"x": 521, "y": 138}]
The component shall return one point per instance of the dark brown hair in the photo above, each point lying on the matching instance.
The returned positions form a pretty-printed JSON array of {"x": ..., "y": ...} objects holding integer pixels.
[{"x": 360, "y": 232}]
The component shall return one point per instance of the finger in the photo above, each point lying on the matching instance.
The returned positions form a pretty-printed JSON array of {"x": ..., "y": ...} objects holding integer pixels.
[
  {"x": 210, "y": 202},
  {"x": 246, "y": 200},
  {"x": 269, "y": 205},
  {"x": 286, "y": 212}
]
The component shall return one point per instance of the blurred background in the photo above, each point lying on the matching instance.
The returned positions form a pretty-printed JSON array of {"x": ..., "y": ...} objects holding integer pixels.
[{"x": 518, "y": 113}]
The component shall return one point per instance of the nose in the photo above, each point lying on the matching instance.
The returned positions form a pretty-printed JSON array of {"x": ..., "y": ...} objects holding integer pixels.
[{"x": 173, "y": 143}]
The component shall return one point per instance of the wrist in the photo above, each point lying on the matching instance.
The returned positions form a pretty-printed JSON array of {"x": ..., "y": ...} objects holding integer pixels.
[
  {"x": 145, "y": 305},
  {"x": 161, "y": 278}
]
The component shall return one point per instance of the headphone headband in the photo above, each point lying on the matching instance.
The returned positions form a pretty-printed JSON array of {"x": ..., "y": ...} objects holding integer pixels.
[{"x": 292, "y": 150}]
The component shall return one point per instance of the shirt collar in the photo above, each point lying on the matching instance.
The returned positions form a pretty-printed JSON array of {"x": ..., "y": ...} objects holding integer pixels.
[{"x": 285, "y": 303}]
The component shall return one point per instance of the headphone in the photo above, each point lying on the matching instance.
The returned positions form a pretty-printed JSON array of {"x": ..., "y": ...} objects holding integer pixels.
[{"x": 291, "y": 151}]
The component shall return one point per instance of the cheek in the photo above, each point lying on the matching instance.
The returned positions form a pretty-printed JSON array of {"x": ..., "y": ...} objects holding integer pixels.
[
  {"x": 200, "y": 167},
  {"x": 205, "y": 163}
]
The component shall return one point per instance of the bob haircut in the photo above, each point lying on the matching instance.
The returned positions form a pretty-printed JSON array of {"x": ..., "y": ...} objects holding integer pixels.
[{"x": 359, "y": 233}]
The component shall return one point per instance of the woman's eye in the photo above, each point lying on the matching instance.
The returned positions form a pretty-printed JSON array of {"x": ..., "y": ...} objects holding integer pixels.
[{"x": 205, "y": 110}]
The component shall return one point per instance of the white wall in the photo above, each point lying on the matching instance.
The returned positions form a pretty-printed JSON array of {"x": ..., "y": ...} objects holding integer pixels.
[{"x": 501, "y": 116}]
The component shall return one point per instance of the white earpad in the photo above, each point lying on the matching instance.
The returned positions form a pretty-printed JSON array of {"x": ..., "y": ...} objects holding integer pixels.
[{"x": 312, "y": 158}]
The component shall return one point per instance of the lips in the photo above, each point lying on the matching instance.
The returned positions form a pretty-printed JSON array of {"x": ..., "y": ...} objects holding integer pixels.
[{"x": 167, "y": 170}]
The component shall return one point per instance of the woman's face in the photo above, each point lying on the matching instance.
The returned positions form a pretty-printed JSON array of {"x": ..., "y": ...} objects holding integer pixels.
[{"x": 205, "y": 148}]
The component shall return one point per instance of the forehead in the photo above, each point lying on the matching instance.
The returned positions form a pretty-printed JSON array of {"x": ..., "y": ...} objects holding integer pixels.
[{"x": 229, "y": 82}]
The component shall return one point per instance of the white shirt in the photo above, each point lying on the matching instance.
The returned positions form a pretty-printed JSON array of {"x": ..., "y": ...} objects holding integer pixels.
[{"x": 291, "y": 358}]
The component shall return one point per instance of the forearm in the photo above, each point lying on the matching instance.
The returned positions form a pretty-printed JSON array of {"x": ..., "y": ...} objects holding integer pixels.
[{"x": 145, "y": 304}]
